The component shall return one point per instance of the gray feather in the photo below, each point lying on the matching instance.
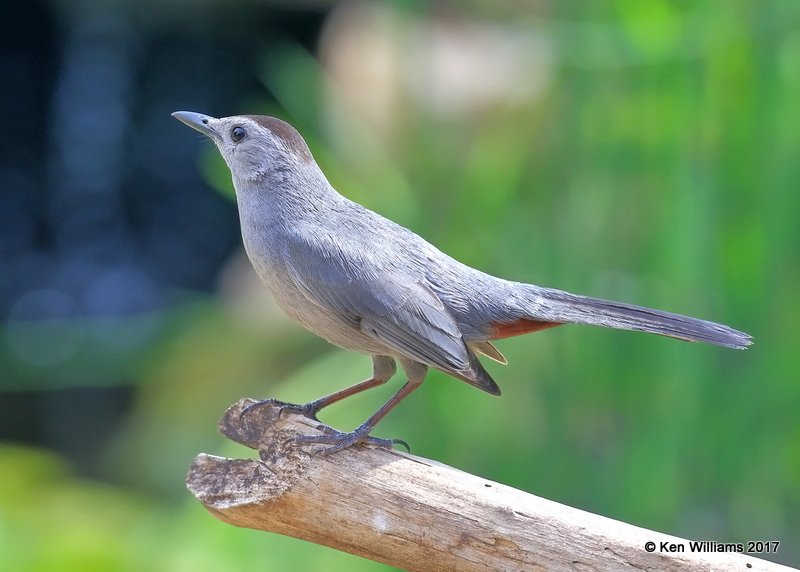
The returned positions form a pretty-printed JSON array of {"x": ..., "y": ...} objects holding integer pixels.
[
  {"x": 399, "y": 311},
  {"x": 559, "y": 306}
]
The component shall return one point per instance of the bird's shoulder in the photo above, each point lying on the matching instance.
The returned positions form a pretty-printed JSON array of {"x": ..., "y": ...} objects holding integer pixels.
[{"x": 350, "y": 235}]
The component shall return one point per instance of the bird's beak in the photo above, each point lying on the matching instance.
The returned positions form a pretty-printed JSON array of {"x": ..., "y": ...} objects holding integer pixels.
[{"x": 197, "y": 121}]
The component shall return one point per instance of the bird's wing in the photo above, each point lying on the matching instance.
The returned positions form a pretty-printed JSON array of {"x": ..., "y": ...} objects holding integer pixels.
[{"x": 383, "y": 302}]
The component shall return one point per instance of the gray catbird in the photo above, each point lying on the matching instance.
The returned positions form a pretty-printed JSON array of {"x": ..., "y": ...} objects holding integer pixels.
[{"x": 367, "y": 284}]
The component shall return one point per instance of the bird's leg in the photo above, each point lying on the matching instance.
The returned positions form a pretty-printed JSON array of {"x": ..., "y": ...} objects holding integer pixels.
[
  {"x": 339, "y": 440},
  {"x": 383, "y": 368}
]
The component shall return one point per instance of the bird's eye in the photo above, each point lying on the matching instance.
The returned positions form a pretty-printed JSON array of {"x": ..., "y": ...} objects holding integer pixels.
[{"x": 238, "y": 133}]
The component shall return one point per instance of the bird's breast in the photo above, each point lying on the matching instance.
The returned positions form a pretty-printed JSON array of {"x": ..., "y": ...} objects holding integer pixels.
[{"x": 271, "y": 268}]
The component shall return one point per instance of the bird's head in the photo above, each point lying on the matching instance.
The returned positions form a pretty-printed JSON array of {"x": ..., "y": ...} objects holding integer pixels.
[{"x": 254, "y": 146}]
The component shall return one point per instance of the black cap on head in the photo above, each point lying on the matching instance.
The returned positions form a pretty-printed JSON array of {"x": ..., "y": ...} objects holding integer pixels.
[{"x": 288, "y": 134}]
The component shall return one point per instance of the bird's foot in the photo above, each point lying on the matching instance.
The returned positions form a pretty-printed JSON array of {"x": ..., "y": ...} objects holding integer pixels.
[
  {"x": 339, "y": 440},
  {"x": 309, "y": 409}
]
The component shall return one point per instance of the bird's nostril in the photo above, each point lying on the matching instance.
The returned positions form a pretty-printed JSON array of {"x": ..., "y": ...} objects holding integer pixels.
[{"x": 204, "y": 121}]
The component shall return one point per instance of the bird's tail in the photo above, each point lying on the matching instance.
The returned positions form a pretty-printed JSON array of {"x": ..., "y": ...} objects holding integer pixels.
[{"x": 553, "y": 307}]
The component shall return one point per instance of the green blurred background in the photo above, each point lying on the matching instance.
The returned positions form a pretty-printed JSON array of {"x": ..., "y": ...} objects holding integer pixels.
[{"x": 641, "y": 151}]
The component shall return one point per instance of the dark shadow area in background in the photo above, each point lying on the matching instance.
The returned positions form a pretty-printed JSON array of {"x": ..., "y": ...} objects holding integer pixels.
[{"x": 103, "y": 212}]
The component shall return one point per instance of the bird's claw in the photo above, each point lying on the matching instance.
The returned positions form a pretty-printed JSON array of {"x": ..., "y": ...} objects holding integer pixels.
[
  {"x": 306, "y": 410},
  {"x": 339, "y": 440}
]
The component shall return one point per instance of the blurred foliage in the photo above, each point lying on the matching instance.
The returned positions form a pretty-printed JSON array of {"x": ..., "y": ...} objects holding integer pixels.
[{"x": 658, "y": 165}]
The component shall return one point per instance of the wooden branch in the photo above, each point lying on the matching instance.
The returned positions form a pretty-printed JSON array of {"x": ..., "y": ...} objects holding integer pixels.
[{"x": 417, "y": 514}]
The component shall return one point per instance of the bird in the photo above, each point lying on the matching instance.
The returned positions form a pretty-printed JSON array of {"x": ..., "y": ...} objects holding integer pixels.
[{"x": 367, "y": 284}]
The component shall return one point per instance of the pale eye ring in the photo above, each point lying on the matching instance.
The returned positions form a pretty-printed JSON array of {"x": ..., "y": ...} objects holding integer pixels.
[{"x": 238, "y": 133}]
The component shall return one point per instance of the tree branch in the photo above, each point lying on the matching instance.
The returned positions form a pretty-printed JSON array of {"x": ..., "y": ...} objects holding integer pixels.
[{"x": 414, "y": 513}]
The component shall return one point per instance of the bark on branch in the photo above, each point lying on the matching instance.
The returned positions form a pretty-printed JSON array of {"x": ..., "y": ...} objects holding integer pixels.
[{"x": 414, "y": 513}]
